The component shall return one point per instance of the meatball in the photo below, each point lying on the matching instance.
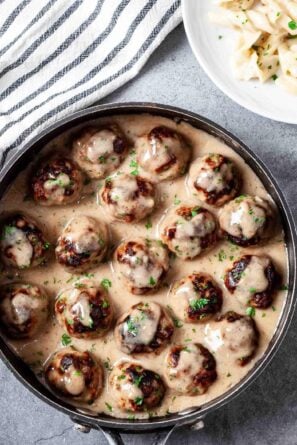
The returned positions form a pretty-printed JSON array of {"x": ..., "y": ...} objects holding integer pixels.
[
  {"x": 235, "y": 336},
  {"x": 214, "y": 179},
  {"x": 253, "y": 280},
  {"x": 22, "y": 243},
  {"x": 100, "y": 151},
  {"x": 128, "y": 198},
  {"x": 188, "y": 231},
  {"x": 244, "y": 220},
  {"x": 190, "y": 369},
  {"x": 146, "y": 327},
  {"x": 75, "y": 374},
  {"x": 82, "y": 244},
  {"x": 134, "y": 388},
  {"x": 143, "y": 264},
  {"x": 58, "y": 182},
  {"x": 84, "y": 310},
  {"x": 163, "y": 153},
  {"x": 24, "y": 309},
  {"x": 196, "y": 297}
]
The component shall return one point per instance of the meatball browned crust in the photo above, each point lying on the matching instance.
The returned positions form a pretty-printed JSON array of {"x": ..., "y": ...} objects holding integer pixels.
[
  {"x": 75, "y": 374},
  {"x": 214, "y": 179},
  {"x": 190, "y": 369},
  {"x": 128, "y": 198},
  {"x": 22, "y": 243},
  {"x": 57, "y": 182},
  {"x": 24, "y": 309},
  {"x": 82, "y": 243},
  {"x": 163, "y": 153},
  {"x": 188, "y": 231},
  {"x": 239, "y": 336},
  {"x": 134, "y": 388},
  {"x": 99, "y": 151},
  {"x": 84, "y": 310},
  {"x": 145, "y": 328},
  {"x": 195, "y": 298},
  {"x": 253, "y": 280},
  {"x": 142, "y": 263},
  {"x": 245, "y": 220}
]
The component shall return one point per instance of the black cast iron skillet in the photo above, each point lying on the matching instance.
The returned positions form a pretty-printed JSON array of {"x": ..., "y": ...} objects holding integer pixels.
[{"x": 112, "y": 427}]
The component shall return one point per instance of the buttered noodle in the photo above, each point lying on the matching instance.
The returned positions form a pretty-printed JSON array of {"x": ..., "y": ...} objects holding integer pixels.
[{"x": 266, "y": 46}]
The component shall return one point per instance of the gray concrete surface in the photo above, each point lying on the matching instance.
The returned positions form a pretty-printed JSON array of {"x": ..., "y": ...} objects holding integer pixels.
[{"x": 267, "y": 412}]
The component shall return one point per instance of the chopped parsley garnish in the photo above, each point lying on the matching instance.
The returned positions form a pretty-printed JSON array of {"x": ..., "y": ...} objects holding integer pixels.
[
  {"x": 252, "y": 290},
  {"x": 105, "y": 304},
  {"x": 77, "y": 372},
  {"x": 106, "y": 283},
  {"x": 292, "y": 25},
  {"x": 46, "y": 245},
  {"x": 65, "y": 340},
  {"x": 199, "y": 303},
  {"x": 107, "y": 364},
  {"x": 109, "y": 407},
  {"x": 177, "y": 323},
  {"x": 194, "y": 211},
  {"x": 251, "y": 311},
  {"x": 139, "y": 400},
  {"x": 148, "y": 225},
  {"x": 137, "y": 380},
  {"x": 134, "y": 164},
  {"x": 176, "y": 200},
  {"x": 284, "y": 287},
  {"x": 222, "y": 255},
  {"x": 152, "y": 281},
  {"x": 131, "y": 327}
]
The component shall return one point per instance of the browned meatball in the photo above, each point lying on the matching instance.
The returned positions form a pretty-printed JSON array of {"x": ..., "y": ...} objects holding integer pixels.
[
  {"x": 24, "y": 309},
  {"x": 142, "y": 263},
  {"x": 245, "y": 220},
  {"x": 214, "y": 179},
  {"x": 128, "y": 198},
  {"x": 99, "y": 151},
  {"x": 253, "y": 280},
  {"x": 75, "y": 374},
  {"x": 187, "y": 231},
  {"x": 134, "y": 388},
  {"x": 145, "y": 328},
  {"x": 196, "y": 297},
  {"x": 22, "y": 243},
  {"x": 190, "y": 369},
  {"x": 82, "y": 244},
  {"x": 58, "y": 182},
  {"x": 236, "y": 337},
  {"x": 84, "y": 310},
  {"x": 163, "y": 153}
]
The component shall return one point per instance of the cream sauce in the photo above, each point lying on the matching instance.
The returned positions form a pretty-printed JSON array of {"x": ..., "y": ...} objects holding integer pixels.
[{"x": 215, "y": 261}]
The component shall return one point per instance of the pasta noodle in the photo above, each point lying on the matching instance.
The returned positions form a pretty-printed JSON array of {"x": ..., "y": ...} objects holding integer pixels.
[{"x": 267, "y": 39}]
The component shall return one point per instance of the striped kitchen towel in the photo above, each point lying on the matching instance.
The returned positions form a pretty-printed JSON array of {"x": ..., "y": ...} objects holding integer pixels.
[{"x": 57, "y": 56}]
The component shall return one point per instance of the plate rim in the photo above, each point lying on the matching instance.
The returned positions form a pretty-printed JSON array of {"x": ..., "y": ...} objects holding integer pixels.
[{"x": 229, "y": 93}]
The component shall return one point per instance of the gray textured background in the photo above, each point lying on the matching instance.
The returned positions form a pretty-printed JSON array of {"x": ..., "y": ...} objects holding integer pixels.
[{"x": 267, "y": 412}]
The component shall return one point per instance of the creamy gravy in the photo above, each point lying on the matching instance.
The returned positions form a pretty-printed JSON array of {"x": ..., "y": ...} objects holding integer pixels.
[{"x": 53, "y": 277}]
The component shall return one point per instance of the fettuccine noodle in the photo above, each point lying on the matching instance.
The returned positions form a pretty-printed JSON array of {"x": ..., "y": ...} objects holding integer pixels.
[{"x": 267, "y": 39}]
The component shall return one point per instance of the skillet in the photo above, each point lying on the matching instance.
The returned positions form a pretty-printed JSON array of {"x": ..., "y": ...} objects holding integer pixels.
[{"x": 112, "y": 427}]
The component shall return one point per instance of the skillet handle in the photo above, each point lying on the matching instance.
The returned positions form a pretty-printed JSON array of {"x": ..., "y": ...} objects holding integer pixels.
[{"x": 113, "y": 437}]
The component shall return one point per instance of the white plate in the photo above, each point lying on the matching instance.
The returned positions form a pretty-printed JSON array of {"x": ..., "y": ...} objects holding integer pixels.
[{"x": 214, "y": 55}]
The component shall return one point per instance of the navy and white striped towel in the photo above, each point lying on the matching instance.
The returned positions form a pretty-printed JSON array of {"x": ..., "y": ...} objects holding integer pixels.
[{"x": 57, "y": 56}]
